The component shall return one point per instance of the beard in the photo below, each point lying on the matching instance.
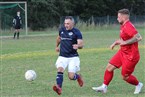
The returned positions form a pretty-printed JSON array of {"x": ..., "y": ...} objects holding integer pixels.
[{"x": 121, "y": 23}]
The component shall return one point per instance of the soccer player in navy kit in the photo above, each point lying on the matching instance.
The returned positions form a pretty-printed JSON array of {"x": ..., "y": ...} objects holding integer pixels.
[
  {"x": 17, "y": 23},
  {"x": 67, "y": 43}
]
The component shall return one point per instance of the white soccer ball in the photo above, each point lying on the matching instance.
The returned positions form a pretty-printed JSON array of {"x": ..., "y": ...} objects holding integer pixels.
[{"x": 30, "y": 75}]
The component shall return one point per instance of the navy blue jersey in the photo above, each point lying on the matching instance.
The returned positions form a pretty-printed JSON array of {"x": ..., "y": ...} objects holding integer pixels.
[
  {"x": 17, "y": 22},
  {"x": 67, "y": 39}
]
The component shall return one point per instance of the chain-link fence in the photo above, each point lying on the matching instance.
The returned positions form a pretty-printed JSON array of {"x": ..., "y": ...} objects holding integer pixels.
[{"x": 106, "y": 20}]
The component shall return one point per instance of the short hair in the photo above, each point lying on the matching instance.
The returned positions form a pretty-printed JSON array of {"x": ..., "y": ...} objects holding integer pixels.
[
  {"x": 124, "y": 11},
  {"x": 18, "y": 10},
  {"x": 71, "y": 18}
]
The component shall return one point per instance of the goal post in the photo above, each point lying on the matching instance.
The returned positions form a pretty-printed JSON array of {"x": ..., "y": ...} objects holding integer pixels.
[{"x": 16, "y": 4}]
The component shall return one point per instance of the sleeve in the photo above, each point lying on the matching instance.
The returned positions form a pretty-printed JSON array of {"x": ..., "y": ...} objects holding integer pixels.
[
  {"x": 79, "y": 34},
  {"x": 131, "y": 30},
  {"x": 14, "y": 21},
  {"x": 60, "y": 30}
]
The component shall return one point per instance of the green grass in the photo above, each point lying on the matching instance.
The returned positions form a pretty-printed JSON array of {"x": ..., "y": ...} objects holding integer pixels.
[{"x": 38, "y": 53}]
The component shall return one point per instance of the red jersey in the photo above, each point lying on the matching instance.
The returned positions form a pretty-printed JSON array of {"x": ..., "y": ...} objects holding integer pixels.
[{"x": 130, "y": 51}]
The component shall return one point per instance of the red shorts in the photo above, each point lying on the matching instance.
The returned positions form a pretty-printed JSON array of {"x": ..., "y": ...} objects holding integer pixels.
[{"x": 119, "y": 60}]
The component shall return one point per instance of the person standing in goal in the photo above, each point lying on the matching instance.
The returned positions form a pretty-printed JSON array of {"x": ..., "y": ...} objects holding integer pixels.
[
  {"x": 68, "y": 42},
  {"x": 17, "y": 24},
  {"x": 127, "y": 56}
]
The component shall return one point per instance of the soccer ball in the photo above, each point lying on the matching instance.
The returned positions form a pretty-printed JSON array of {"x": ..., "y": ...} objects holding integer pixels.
[{"x": 30, "y": 75}]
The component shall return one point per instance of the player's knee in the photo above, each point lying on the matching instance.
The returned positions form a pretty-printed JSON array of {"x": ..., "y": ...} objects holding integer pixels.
[
  {"x": 110, "y": 67},
  {"x": 125, "y": 77},
  {"x": 60, "y": 69}
]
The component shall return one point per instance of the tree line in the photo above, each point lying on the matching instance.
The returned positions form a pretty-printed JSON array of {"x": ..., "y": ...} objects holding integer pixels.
[{"x": 47, "y": 13}]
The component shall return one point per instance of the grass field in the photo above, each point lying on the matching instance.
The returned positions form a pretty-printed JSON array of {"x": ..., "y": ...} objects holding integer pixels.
[{"x": 38, "y": 53}]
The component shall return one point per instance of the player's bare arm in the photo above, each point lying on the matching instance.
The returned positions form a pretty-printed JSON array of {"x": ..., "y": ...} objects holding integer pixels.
[
  {"x": 57, "y": 43},
  {"x": 79, "y": 44},
  {"x": 136, "y": 38},
  {"x": 114, "y": 44}
]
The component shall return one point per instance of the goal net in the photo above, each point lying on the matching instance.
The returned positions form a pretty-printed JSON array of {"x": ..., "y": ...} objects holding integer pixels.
[{"x": 8, "y": 10}]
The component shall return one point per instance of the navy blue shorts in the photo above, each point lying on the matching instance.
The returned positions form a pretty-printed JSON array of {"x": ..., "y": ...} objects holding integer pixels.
[{"x": 17, "y": 27}]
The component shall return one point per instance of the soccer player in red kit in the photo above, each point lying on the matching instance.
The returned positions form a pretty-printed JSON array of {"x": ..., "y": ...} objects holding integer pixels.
[{"x": 127, "y": 56}]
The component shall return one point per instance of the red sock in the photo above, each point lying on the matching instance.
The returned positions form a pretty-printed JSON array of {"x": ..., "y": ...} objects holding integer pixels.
[
  {"x": 132, "y": 80},
  {"x": 108, "y": 77}
]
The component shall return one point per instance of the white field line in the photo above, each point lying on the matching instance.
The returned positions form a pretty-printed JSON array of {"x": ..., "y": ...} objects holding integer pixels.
[
  {"x": 51, "y": 53},
  {"x": 36, "y": 35}
]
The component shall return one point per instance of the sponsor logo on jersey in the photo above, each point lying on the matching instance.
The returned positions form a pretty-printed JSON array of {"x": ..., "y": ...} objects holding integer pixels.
[
  {"x": 70, "y": 33},
  {"x": 62, "y": 32},
  {"x": 66, "y": 38}
]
